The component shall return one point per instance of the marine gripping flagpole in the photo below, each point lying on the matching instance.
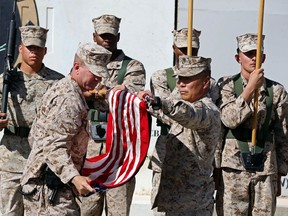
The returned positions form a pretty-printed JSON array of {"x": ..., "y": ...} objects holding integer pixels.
[
  {"x": 190, "y": 27},
  {"x": 258, "y": 65}
]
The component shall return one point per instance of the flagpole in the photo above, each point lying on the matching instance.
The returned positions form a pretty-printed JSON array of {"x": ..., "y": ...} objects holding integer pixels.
[
  {"x": 258, "y": 65},
  {"x": 190, "y": 27}
]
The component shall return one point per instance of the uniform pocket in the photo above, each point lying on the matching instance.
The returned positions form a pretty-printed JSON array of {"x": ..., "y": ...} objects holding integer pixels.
[{"x": 31, "y": 191}]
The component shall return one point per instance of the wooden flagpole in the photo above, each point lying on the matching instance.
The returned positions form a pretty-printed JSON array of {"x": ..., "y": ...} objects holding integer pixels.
[
  {"x": 190, "y": 27},
  {"x": 258, "y": 65}
]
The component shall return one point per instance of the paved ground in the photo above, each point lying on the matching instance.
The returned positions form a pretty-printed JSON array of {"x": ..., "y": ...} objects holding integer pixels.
[{"x": 141, "y": 206}]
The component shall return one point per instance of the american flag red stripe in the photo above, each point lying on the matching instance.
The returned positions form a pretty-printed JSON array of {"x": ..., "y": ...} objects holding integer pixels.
[{"x": 127, "y": 142}]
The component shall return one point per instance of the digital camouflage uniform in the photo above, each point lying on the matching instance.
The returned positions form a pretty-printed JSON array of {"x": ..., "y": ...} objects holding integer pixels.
[
  {"x": 247, "y": 192},
  {"x": 59, "y": 138},
  {"x": 161, "y": 88},
  {"x": 117, "y": 201},
  {"x": 59, "y": 144},
  {"x": 24, "y": 100},
  {"x": 186, "y": 186}
]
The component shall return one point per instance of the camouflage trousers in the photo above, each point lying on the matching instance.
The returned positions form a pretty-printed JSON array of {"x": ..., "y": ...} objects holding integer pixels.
[
  {"x": 117, "y": 201},
  {"x": 185, "y": 210},
  {"x": 11, "y": 201},
  {"x": 156, "y": 176},
  {"x": 36, "y": 203},
  {"x": 246, "y": 193},
  {"x": 155, "y": 165}
]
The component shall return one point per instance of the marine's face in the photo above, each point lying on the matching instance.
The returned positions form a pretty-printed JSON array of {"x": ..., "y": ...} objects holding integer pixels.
[
  {"x": 108, "y": 41},
  {"x": 248, "y": 61},
  {"x": 32, "y": 55},
  {"x": 87, "y": 80},
  {"x": 193, "y": 88}
]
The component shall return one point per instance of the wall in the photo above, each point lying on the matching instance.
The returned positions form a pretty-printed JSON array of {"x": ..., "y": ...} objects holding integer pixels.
[{"x": 222, "y": 20}]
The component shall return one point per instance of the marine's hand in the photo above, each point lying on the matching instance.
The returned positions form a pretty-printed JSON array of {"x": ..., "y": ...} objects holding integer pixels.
[
  {"x": 256, "y": 78},
  {"x": 88, "y": 94},
  {"x": 3, "y": 120},
  {"x": 255, "y": 81},
  {"x": 144, "y": 95},
  {"x": 82, "y": 186},
  {"x": 150, "y": 99}
]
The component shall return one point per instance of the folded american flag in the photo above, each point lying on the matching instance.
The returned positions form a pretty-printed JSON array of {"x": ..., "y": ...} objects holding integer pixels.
[{"x": 127, "y": 142}]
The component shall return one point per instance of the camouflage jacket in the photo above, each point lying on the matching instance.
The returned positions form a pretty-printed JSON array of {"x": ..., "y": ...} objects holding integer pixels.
[
  {"x": 134, "y": 78},
  {"x": 235, "y": 111},
  {"x": 59, "y": 134},
  {"x": 190, "y": 147},
  {"x": 24, "y": 99}
]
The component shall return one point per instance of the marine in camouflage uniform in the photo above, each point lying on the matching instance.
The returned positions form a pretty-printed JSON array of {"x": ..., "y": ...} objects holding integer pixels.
[
  {"x": 187, "y": 186},
  {"x": 117, "y": 201},
  {"x": 59, "y": 138},
  {"x": 29, "y": 81},
  {"x": 162, "y": 87},
  {"x": 246, "y": 191}
]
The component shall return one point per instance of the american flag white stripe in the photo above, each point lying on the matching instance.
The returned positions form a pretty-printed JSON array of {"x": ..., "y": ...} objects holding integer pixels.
[{"x": 127, "y": 142}]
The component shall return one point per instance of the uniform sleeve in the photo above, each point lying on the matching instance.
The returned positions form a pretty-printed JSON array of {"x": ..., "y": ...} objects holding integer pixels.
[
  {"x": 219, "y": 149},
  {"x": 195, "y": 115},
  {"x": 135, "y": 77},
  {"x": 229, "y": 104},
  {"x": 214, "y": 90},
  {"x": 159, "y": 85},
  {"x": 280, "y": 129},
  {"x": 58, "y": 140}
]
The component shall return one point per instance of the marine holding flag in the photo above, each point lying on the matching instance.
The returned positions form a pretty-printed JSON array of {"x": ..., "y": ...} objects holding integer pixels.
[
  {"x": 59, "y": 137},
  {"x": 187, "y": 186},
  {"x": 251, "y": 180},
  {"x": 163, "y": 83}
]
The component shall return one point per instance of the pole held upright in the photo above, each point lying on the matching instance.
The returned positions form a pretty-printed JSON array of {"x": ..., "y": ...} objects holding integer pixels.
[
  {"x": 258, "y": 65},
  {"x": 190, "y": 27}
]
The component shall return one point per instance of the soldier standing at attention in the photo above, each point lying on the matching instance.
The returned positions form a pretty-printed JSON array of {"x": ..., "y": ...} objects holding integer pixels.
[
  {"x": 249, "y": 185},
  {"x": 59, "y": 138},
  {"x": 125, "y": 73},
  {"x": 29, "y": 81},
  {"x": 187, "y": 186}
]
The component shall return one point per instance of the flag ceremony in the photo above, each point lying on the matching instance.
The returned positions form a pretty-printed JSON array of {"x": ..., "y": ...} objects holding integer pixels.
[{"x": 143, "y": 108}]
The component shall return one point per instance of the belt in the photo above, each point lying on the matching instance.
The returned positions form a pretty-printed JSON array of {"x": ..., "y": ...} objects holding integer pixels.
[{"x": 17, "y": 131}]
